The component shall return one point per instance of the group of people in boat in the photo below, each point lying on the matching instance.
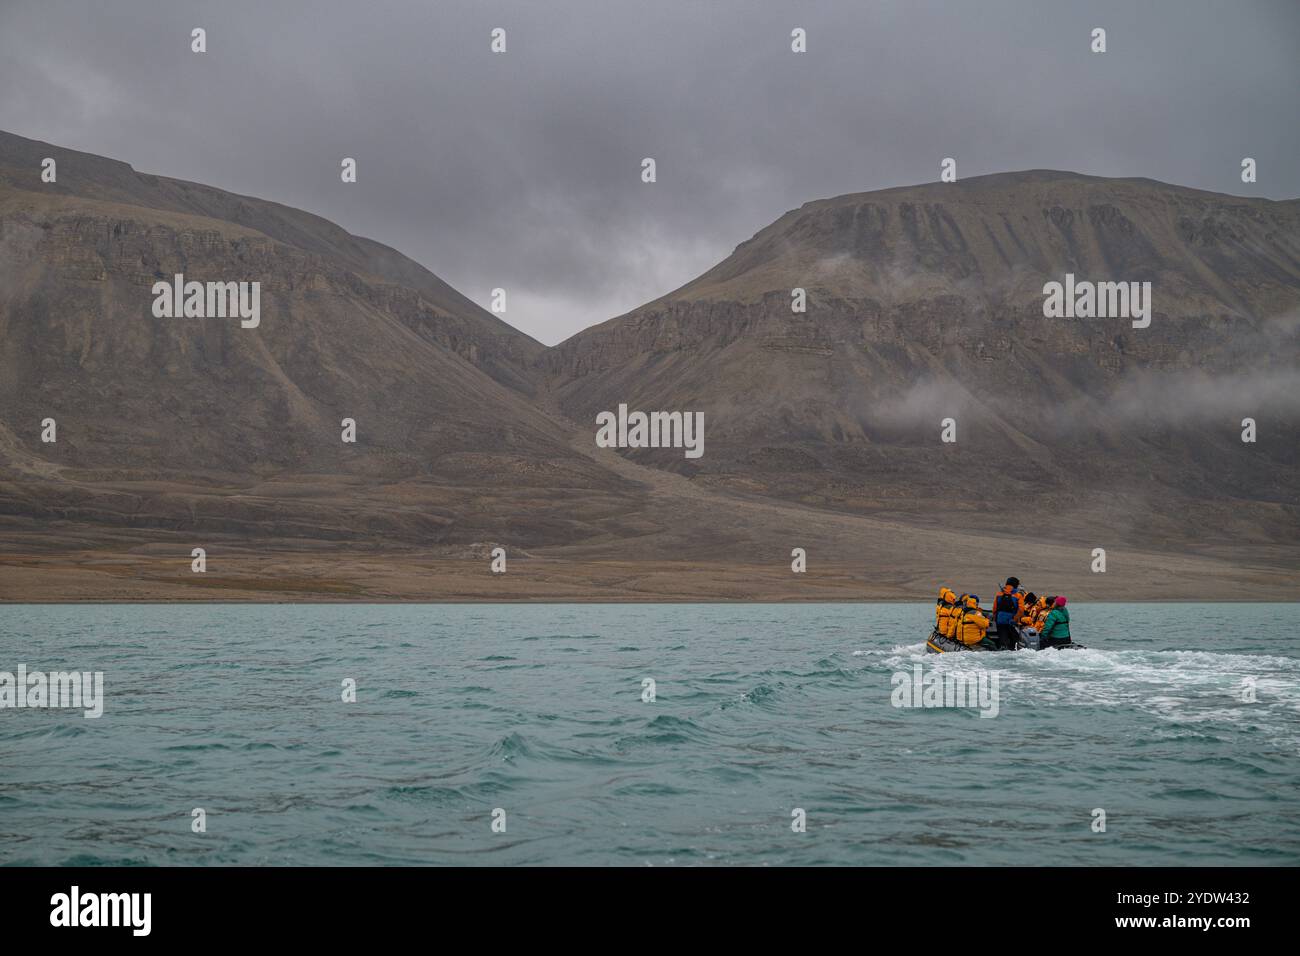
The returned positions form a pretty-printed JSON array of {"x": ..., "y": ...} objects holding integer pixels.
[{"x": 962, "y": 619}]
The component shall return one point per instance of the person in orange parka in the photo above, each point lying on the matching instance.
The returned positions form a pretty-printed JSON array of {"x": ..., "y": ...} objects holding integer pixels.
[{"x": 972, "y": 626}]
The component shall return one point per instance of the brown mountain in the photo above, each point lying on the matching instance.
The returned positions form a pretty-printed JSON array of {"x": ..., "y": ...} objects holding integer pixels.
[
  {"x": 822, "y": 428},
  {"x": 200, "y": 424},
  {"x": 925, "y": 303}
]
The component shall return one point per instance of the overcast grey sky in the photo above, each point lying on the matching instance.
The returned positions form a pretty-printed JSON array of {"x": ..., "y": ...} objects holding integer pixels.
[{"x": 522, "y": 170}]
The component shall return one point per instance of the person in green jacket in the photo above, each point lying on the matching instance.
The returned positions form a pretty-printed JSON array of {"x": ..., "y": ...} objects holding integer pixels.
[{"x": 1056, "y": 629}]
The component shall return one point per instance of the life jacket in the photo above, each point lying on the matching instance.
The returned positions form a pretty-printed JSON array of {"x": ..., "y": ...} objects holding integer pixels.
[
  {"x": 1027, "y": 613},
  {"x": 1006, "y": 607},
  {"x": 1040, "y": 613}
]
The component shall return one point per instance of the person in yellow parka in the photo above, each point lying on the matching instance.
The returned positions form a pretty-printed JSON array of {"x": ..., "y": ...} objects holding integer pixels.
[
  {"x": 1028, "y": 610},
  {"x": 954, "y": 620},
  {"x": 955, "y": 615},
  {"x": 972, "y": 626},
  {"x": 1043, "y": 609},
  {"x": 945, "y": 609}
]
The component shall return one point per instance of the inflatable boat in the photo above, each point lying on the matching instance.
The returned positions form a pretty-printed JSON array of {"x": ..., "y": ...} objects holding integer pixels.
[{"x": 1028, "y": 640}]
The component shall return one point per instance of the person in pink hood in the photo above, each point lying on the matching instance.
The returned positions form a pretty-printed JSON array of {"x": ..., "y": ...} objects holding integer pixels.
[{"x": 1056, "y": 629}]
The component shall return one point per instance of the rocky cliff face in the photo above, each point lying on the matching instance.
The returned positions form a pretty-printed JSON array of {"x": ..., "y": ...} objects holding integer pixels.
[
  {"x": 497, "y": 347},
  {"x": 926, "y": 303},
  {"x": 199, "y": 421}
]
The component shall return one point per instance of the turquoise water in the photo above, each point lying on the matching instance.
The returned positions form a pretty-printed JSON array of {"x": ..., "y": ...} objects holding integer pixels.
[{"x": 538, "y": 710}]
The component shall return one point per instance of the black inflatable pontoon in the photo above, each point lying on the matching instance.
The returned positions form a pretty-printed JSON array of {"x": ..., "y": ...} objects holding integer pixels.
[{"x": 1028, "y": 640}]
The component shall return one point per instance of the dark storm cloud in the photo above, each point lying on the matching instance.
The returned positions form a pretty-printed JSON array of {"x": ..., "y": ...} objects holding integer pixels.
[{"x": 522, "y": 170}]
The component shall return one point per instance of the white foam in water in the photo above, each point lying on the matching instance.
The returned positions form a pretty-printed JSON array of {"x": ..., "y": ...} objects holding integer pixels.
[{"x": 1190, "y": 687}]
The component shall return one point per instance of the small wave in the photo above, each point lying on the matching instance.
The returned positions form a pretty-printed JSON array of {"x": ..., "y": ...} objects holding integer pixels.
[
  {"x": 663, "y": 729},
  {"x": 436, "y": 796}
]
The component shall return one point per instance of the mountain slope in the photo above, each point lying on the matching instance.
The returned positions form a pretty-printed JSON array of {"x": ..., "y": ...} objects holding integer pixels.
[
  {"x": 497, "y": 347},
  {"x": 198, "y": 422},
  {"x": 926, "y": 303}
]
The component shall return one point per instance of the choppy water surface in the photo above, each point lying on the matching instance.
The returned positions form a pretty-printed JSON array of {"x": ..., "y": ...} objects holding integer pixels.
[{"x": 538, "y": 710}]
